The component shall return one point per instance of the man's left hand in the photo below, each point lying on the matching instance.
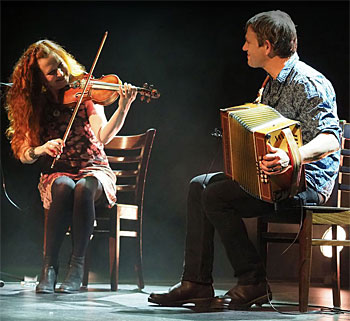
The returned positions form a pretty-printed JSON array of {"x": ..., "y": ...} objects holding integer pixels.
[{"x": 275, "y": 162}]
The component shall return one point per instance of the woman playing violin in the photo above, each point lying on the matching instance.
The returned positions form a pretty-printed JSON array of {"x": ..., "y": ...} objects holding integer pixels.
[{"x": 81, "y": 177}]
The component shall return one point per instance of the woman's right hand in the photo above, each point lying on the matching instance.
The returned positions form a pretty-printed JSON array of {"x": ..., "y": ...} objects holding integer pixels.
[{"x": 52, "y": 147}]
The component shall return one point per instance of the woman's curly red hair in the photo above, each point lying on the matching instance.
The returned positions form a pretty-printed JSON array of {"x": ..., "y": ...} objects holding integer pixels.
[{"x": 23, "y": 100}]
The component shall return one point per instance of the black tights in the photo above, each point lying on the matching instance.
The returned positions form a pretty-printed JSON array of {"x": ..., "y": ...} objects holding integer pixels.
[{"x": 73, "y": 204}]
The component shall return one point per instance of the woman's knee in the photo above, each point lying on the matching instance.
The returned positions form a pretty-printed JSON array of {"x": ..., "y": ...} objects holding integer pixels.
[
  {"x": 86, "y": 188},
  {"x": 62, "y": 186}
]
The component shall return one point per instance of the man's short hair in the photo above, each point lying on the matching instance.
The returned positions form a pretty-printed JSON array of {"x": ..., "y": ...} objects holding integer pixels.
[{"x": 278, "y": 28}]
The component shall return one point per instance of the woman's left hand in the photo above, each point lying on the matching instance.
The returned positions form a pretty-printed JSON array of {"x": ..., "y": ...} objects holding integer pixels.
[
  {"x": 127, "y": 95},
  {"x": 275, "y": 162}
]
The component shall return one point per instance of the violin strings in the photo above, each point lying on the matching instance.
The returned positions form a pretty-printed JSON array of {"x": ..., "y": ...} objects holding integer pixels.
[{"x": 109, "y": 86}]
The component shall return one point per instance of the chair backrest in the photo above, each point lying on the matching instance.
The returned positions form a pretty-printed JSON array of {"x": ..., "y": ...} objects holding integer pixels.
[
  {"x": 129, "y": 157},
  {"x": 344, "y": 172},
  {"x": 341, "y": 193}
]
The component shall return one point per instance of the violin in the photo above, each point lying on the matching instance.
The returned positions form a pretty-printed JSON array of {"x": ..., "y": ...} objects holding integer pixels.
[
  {"x": 103, "y": 91},
  {"x": 99, "y": 90}
]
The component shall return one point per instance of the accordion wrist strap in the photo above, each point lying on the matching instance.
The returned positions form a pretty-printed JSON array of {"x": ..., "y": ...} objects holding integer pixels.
[{"x": 295, "y": 160}]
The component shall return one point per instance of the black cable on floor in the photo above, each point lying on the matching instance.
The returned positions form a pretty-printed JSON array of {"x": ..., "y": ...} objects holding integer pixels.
[{"x": 323, "y": 309}]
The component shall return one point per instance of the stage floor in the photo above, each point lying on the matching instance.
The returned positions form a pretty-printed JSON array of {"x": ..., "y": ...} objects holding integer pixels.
[{"x": 98, "y": 303}]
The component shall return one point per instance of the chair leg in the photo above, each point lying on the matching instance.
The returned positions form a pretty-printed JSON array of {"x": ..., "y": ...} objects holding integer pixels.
[
  {"x": 138, "y": 265},
  {"x": 117, "y": 249},
  {"x": 262, "y": 227},
  {"x": 335, "y": 271},
  {"x": 114, "y": 249},
  {"x": 305, "y": 257},
  {"x": 112, "y": 264}
]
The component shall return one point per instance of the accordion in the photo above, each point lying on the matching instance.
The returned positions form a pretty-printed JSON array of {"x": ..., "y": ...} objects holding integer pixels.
[{"x": 246, "y": 130}]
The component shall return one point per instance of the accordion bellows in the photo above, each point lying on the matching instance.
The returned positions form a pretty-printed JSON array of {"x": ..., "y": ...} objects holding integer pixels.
[{"x": 246, "y": 131}]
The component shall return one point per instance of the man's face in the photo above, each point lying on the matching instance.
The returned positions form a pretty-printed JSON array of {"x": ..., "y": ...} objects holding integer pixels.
[{"x": 256, "y": 55}]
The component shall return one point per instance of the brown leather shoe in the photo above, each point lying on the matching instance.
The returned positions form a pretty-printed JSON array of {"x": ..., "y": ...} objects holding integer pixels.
[
  {"x": 185, "y": 292},
  {"x": 242, "y": 297}
]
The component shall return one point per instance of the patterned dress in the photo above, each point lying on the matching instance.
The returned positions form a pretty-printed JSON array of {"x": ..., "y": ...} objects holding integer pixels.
[{"x": 82, "y": 156}]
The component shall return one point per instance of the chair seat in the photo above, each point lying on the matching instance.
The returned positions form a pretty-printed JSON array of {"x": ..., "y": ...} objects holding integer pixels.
[
  {"x": 127, "y": 211},
  {"x": 292, "y": 216},
  {"x": 326, "y": 208}
]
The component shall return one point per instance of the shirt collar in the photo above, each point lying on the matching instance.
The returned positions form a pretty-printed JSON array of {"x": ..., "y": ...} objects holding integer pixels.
[{"x": 289, "y": 65}]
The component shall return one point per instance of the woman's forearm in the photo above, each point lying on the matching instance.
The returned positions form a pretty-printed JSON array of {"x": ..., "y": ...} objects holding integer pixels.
[
  {"x": 114, "y": 125},
  {"x": 29, "y": 155}
]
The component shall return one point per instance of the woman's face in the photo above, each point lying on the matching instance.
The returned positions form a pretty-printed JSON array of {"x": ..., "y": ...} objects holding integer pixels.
[{"x": 55, "y": 72}]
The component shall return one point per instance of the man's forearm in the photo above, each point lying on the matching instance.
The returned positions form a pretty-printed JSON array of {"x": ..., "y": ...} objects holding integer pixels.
[{"x": 321, "y": 146}]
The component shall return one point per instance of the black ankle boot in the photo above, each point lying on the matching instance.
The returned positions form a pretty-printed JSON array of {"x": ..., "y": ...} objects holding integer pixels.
[
  {"x": 74, "y": 277},
  {"x": 48, "y": 277}
]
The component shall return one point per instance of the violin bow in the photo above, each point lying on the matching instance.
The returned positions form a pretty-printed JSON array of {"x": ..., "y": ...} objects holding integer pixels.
[{"x": 76, "y": 108}]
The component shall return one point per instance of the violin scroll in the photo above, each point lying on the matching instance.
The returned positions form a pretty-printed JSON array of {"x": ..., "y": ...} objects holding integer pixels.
[{"x": 148, "y": 91}]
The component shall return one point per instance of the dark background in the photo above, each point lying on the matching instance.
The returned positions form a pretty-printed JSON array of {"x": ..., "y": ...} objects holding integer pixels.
[{"x": 191, "y": 52}]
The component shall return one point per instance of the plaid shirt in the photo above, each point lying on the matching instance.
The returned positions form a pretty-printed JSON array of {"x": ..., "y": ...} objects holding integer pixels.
[{"x": 301, "y": 93}]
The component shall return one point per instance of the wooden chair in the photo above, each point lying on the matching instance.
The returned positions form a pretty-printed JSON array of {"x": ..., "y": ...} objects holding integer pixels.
[
  {"x": 335, "y": 213},
  {"x": 129, "y": 157}
]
